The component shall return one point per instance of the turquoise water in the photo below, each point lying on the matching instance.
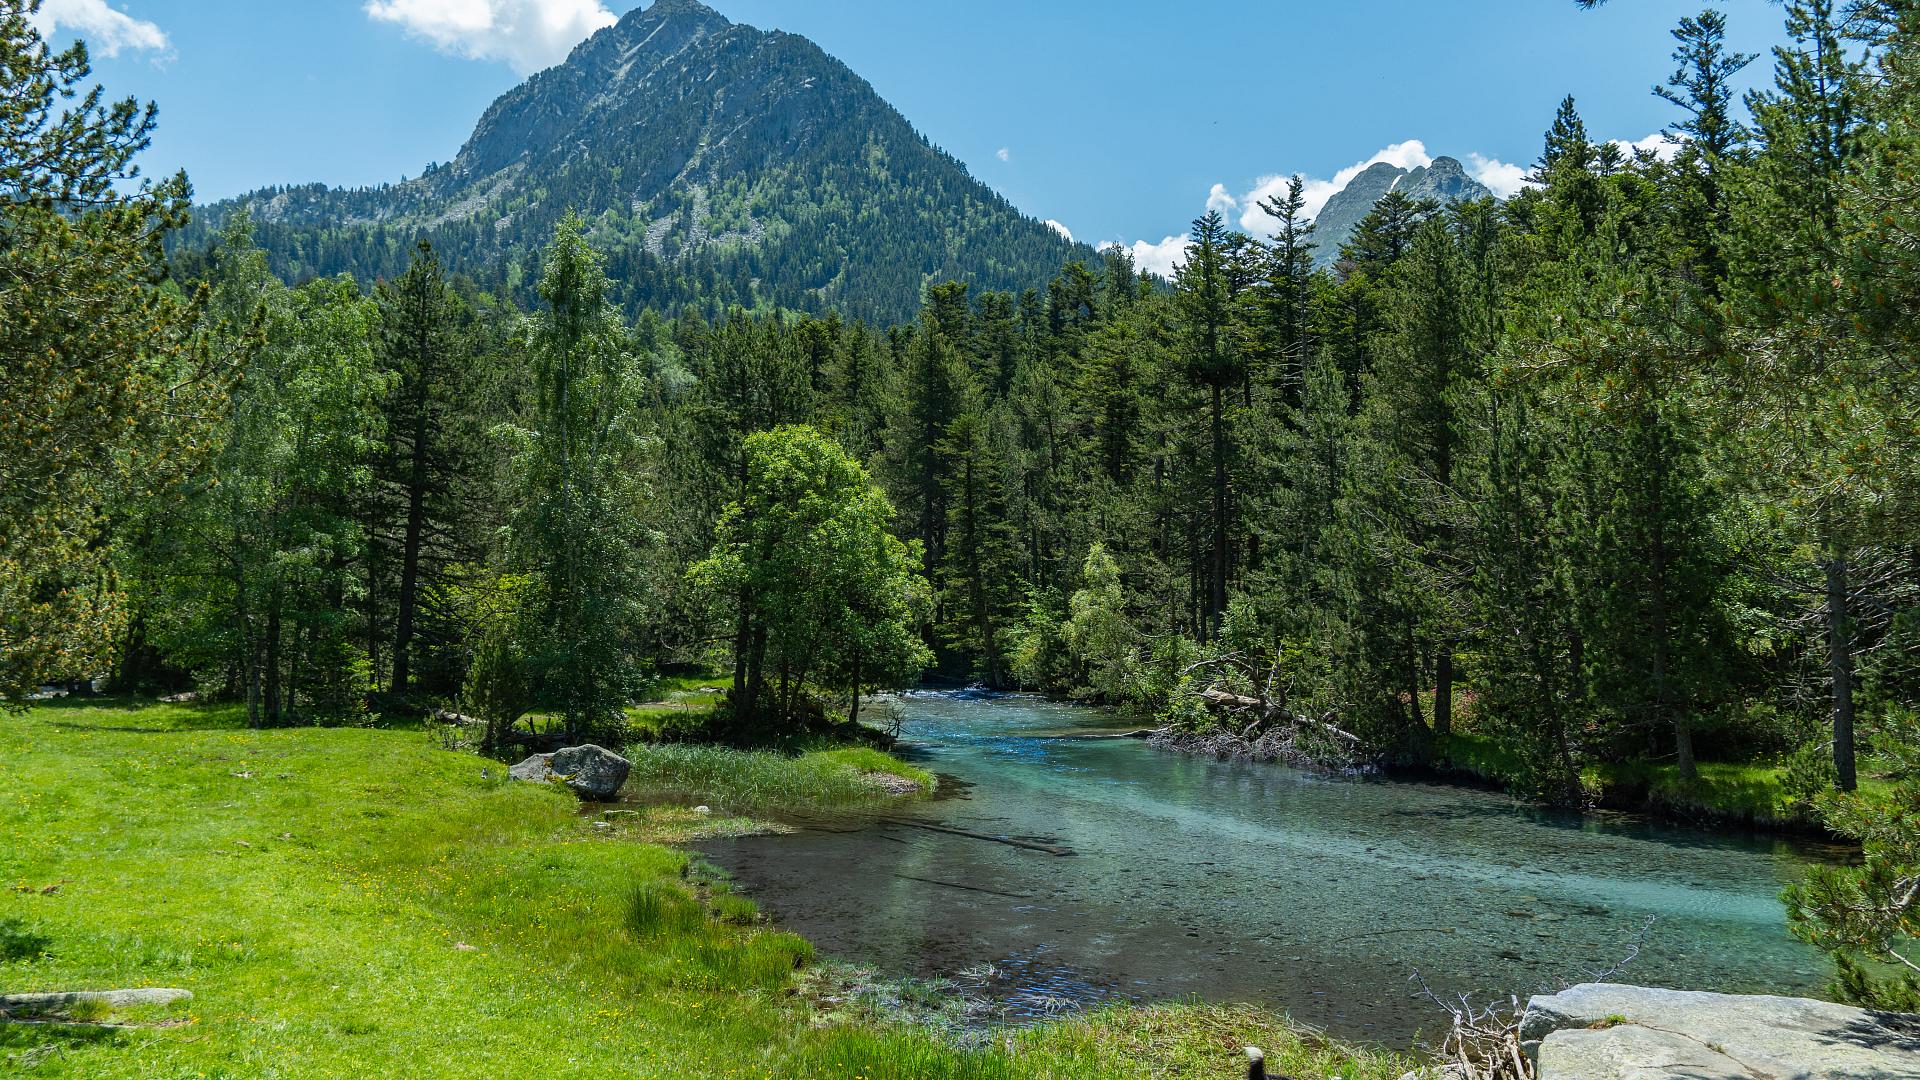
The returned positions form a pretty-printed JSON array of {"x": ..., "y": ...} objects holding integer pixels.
[{"x": 1244, "y": 882}]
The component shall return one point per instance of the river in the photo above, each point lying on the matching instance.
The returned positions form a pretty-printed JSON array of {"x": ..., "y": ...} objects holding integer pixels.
[{"x": 1234, "y": 881}]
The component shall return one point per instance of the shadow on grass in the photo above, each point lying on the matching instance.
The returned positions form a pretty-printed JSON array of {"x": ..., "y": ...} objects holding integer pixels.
[
  {"x": 25, "y": 1045},
  {"x": 154, "y": 718},
  {"x": 19, "y": 941}
]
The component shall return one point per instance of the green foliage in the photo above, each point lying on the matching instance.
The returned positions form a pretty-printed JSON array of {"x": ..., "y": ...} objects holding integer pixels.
[
  {"x": 264, "y": 551},
  {"x": 1098, "y": 635},
  {"x": 105, "y": 387},
  {"x": 1867, "y": 917},
  {"x": 825, "y": 593},
  {"x": 584, "y": 495}
]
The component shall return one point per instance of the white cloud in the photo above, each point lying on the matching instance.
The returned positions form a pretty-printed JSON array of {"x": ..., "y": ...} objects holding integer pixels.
[
  {"x": 107, "y": 30},
  {"x": 1162, "y": 258},
  {"x": 1661, "y": 144},
  {"x": 1503, "y": 179},
  {"x": 1410, "y": 154},
  {"x": 1061, "y": 229},
  {"x": 1003, "y": 154},
  {"x": 527, "y": 34}
]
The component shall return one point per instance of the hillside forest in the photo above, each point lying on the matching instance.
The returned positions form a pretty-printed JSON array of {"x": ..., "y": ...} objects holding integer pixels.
[{"x": 1619, "y": 474}]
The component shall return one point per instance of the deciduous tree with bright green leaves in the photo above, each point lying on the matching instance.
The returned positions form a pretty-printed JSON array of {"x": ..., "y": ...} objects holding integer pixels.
[{"x": 829, "y": 596}]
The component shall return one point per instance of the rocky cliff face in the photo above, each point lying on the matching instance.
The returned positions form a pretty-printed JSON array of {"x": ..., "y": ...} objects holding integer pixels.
[
  {"x": 1445, "y": 182},
  {"x": 716, "y": 164}
]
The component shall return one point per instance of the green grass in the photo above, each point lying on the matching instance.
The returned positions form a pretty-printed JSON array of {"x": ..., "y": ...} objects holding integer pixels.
[
  {"x": 1751, "y": 793},
  {"x": 683, "y": 706},
  {"x": 1477, "y": 755},
  {"x": 747, "y": 780},
  {"x": 353, "y": 903}
]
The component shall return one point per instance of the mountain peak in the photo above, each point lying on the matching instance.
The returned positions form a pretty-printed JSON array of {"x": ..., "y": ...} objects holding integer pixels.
[
  {"x": 1443, "y": 180},
  {"x": 717, "y": 164},
  {"x": 661, "y": 9}
]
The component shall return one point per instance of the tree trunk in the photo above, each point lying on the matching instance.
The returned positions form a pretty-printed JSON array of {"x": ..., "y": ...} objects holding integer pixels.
[
  {"x": 756, "y": 677},
  {"x": 1217, "y": 570},
  {"x": 1840, "y": 666},
  {"x": 1443, "y": 691},
  {"x": 271, "y": 662},
  {"x": 853, "y": 712},
  {"x": 410, "y": 555}
]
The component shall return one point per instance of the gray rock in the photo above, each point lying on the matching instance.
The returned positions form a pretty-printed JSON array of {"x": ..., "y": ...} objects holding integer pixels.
[
  {"x": 61, "y": 1001},
  {"x": 538, "y": 769},
  {"x": 1632, "y": 1053},
  {"x": 593, "y": 772},
  {"x": 1602, "y": 1031}
]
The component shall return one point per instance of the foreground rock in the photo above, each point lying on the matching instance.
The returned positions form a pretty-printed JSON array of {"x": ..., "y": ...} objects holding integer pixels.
[
  {"x": 1601, "y": 1031},
  {"x": 592, "y": 772},
  {"x": 35, "y": 1004}
]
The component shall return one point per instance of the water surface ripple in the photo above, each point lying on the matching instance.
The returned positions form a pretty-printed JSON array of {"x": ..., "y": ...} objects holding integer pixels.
[{"x": 1242, "y": 882}]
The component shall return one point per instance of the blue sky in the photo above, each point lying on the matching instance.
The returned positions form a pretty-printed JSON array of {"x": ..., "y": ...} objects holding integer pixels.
[{"x": 1120, "y": 119}]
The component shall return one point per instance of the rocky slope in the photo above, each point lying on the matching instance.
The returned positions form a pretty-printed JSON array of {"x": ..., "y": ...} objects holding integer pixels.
[
  {"x": 716, "y": 163},
  {"x": 1445, "y": 181}
]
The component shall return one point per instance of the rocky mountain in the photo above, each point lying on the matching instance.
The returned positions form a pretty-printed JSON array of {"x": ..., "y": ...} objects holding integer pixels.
[
  {"x": 716, "y": 164},
  {"x": 1445, "y": 181}
]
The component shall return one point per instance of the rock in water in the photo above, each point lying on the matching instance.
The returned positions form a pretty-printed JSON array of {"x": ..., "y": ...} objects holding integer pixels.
[
  {"x": 1601, "y": 1031},
  {"x": 537, "y": 769},
  {"x": 592, "y": 772}
]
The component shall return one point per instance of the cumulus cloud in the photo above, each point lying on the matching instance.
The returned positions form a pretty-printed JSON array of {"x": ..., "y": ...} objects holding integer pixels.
[
  {"x": 1660, "y": 144},
  {"x": 1502, "y": 178},
  {"x": 108, "y": 30},
  {"x": 1003, "y": 154},
  {"x": 1411, "y": 154},
  {"x": 528, "y": 35},
  {"x": 1061, "y": 229},
  {"x": 1221, "y": 200},
  {"x": 1162, "y": 258}
]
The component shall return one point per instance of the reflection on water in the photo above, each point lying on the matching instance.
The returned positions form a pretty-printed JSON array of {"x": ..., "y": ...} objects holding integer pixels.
[{"x": 1237, "y": 881}]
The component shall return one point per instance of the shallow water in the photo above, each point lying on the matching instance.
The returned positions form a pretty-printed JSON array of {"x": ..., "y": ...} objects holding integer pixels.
[{"x": 1235, "y": 881}]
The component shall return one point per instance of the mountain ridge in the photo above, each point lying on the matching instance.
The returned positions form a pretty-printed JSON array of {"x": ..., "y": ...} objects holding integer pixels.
[
  {"x": 1444, "y": 180},
  {"x": 715, "y": 163}
]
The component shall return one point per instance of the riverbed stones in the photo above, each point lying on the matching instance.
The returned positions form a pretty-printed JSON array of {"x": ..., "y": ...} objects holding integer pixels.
[
  {"x": 1604, "y": 1031},
  {"x": 593, "y": 772}
]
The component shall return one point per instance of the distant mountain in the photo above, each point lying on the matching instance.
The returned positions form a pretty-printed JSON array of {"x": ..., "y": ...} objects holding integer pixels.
[
  {"x": 716, "y": 164},
  {"x": 1445, "y": 182}
]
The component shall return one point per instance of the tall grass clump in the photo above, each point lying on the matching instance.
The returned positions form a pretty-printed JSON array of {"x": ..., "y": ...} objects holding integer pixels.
[{"x": 762, "y": 779}]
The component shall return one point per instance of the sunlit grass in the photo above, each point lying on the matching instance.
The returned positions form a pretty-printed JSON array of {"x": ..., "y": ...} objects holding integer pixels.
[
  {"x": 744, "y": 780},
  {"x": 354, "y": 903}
]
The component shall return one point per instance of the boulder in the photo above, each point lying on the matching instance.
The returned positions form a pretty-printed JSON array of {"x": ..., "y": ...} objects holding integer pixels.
[
  {"x": 61, "y": 1001},
  {"x": 1603, "y": 1031},
  {"x": 593, "y": 772},
  {"x": 1628, "y": 1052},
  {"x": 537, "y": 769}
]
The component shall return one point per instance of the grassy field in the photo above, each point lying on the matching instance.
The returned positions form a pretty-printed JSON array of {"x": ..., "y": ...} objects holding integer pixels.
[{"x": 359, "y": 903}]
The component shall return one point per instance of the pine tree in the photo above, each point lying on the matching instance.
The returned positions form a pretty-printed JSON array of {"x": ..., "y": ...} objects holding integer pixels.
[
  {"x": 578, "y": 526},
  {"x": 421, "y": 347},
  {"x": 1204, "y": 301},
  {"x": 104, "y": 388}
]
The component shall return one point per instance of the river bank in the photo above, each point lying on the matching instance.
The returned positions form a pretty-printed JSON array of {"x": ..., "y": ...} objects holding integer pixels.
[
  {"x": 1313, "y": 894},
  {"x": 362, "y": 902},
  {"x": 1742, "y": 799}
]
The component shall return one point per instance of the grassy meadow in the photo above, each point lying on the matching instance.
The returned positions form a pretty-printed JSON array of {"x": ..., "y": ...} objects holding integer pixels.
[{"x": 356, "y": 902}]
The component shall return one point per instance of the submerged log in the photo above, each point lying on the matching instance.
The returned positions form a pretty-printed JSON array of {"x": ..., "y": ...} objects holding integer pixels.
[
  {"x": 969, "y": 888},
  {"x": 1030, "y": 845}
]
